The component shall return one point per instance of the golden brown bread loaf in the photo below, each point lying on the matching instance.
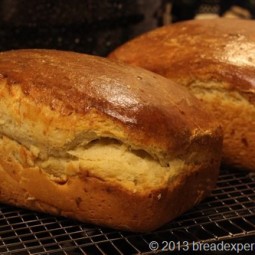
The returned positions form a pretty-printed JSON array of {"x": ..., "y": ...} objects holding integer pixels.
[
  {"x": 215, "y": 60},
  {"x": 101, "y": 142}
]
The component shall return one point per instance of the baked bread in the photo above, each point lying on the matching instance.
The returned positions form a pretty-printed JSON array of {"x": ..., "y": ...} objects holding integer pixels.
[
  {"x": 101, "y": 142},
  {"x": 215, "y": 60}
]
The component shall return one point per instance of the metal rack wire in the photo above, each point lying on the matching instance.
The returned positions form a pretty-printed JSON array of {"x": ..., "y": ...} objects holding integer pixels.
[{"x": 228, "y": 214}]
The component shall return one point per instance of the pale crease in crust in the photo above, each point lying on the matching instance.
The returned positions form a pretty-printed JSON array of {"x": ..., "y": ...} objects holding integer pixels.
[
  {"x": 237, "y": 117},
  {"x": 106, "y": 160},
  {"x": 55, "y": 134}
]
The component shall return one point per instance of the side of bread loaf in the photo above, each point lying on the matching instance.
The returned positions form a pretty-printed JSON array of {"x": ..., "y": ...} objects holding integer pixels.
[
  {"x": 215, "y": 60},
  {"x": 101, "y": 142}
]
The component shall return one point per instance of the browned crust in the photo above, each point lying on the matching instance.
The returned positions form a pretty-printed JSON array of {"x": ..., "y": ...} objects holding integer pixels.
[
  {"x": 96, "y": 201},
  {"x": 238, "y": 121},
  {"x": 48, "y": 96},
  {"x": 220, "y": 51},
  {"x": 77, "y": 84},
  {"x": 215, "y": 49}
]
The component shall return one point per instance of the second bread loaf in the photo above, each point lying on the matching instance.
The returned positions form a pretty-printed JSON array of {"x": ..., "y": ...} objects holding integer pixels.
[{"x": 215, "y": 60}]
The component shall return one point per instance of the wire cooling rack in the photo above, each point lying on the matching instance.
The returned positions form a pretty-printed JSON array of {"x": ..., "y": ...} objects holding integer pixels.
[{"x": 228, "y": 214}]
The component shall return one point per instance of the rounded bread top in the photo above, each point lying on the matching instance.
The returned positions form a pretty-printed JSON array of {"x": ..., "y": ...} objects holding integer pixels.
[
  {"x": 214, "y": 49},
  {"x": 152, "y": 110}
]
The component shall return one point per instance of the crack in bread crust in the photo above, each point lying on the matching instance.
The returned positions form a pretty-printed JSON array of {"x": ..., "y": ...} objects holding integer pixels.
[
  {"x": 236, "y": 113},
  {"x": 87, "y": 197}
]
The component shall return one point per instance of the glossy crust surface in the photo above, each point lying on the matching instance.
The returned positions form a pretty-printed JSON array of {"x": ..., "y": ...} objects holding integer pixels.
[
  {"x": 215, "y": 59},
  {"x": 65, "y": 116},
  {"x": 71, "y": 83}
]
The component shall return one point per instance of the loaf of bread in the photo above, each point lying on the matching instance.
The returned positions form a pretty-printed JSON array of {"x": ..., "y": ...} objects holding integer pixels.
[
  {"x": 215, "y": 60},
  {"x": 87, "y": 138}
]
